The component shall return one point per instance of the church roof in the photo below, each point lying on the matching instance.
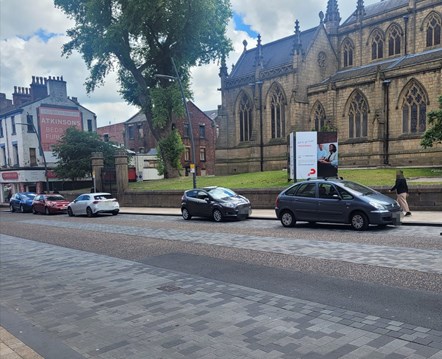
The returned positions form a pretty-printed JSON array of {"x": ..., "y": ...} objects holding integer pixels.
[
  {"x": 387, "y": 65},
  {"x": 275, "y": 54},
  {"x": 378, "y": 8}
]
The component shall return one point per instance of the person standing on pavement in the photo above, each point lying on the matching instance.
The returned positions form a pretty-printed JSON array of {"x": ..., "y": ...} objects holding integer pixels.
[{"x": 401, "y": 188}]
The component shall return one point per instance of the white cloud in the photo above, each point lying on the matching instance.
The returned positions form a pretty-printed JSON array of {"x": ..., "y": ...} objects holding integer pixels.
[{"x": 20, "y": 59}]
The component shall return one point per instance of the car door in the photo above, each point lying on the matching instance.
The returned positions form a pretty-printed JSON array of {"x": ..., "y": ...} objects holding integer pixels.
[
  {"x": 202, "y": 204},
  {"x": 305, "y": 202},
  {"x": 330, "y": 206},
  {"x": 39, "y": 203},
  {"x": 15, "y": 202},
  {"x": 79, "y": 207}
]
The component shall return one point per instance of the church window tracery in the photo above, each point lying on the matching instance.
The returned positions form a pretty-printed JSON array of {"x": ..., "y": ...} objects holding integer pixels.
[
  {"x": 277, "y": 113},
  {"x": 414, "y": 110},
  {"x": 394, "y": 40},
  {"x": 348, "y": 49},
  {"x": 358, "y": 116},
  {"x": 377, "y": 46},
  {"x": 319, "y": 117},
  {"x": 245, "y": 118},
  {"x": 433, "y": 30}
]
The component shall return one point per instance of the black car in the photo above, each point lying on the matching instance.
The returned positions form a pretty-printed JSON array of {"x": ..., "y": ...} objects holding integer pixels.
[
  {"x": 21, "y": 201},
  {"x": 214, "y": 202},
  {"x": 336, "y": 201}
]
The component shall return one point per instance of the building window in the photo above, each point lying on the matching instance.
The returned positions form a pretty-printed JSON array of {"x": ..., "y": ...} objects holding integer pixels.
[
  {"x": 4, "y": 163},
  {"x": 187, "y": 154},
  {"x": 89, "y": 125},
  {"x": 186, "y": 130},
  {"x": 106, "y": 137},
  {"x": 32, "y": 157},
  {"x": 13, "y": 125},
  {"x": 245, "y": 119},
  {"x": 319, "y": 117},
  {"x": 377, "y": 46},
  {"x": 141, "y": 150},
  {"x": 414, "y": 111},
  {"x": 202, "y": 154},
  {"x": 130, "y": 131},
  {"x": 30, "y": 122},
  {"x": 202, "y": 131},
  {"x": 15, "y": 154},
  {"x": 348, "y": 53},
  {"x": 358, "y": 117},
  {"x": 1, "y": 129},
  {"x": 433, "y": 30},
  {"x": 394, "y": 41},
  {"x": 277, "y": 114}
]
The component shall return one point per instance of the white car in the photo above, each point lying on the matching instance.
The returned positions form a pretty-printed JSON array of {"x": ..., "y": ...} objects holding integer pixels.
[{"x": 91, "y": 204}]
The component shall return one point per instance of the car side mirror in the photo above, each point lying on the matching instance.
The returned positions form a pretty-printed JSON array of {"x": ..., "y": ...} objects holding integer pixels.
[
  {"x": 335, "y": 196},
  {"x": 207, "y": 199}
]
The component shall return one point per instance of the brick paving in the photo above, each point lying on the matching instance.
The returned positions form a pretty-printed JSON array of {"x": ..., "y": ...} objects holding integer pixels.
[{"x": 104, "y": 307}]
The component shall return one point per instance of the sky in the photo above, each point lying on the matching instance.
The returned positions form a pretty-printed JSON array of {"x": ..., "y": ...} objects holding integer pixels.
[{"x": 32, "y": 33}]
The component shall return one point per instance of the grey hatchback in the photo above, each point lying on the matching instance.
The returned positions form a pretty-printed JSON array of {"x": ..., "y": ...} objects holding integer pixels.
[{"x": 336, "y": 201}]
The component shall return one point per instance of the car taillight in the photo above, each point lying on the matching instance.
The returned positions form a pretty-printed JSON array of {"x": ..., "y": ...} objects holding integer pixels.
[{"x": 277, "y": 202}]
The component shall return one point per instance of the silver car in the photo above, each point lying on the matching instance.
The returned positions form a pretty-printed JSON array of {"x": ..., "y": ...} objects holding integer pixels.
[
  {"x": 336, "y": 201},
  {"x": 91, "y": 204}
]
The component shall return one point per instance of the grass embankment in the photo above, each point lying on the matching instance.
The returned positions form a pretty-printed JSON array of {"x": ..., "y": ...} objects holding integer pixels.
[{"x": 369, "y": 177}]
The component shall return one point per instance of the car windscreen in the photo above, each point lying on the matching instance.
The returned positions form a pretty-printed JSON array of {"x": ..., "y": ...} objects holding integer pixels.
[
  {"x": 30, "y": 195},
  {"x": 220, "y": 193},
  {"x": 356, "y": 187},
  {"x": 103, "y": 196},
  {"x": 55, "y": 198}
]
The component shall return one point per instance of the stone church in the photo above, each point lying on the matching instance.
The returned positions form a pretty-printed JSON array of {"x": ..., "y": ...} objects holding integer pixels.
[{"x": 372, "y": 78}]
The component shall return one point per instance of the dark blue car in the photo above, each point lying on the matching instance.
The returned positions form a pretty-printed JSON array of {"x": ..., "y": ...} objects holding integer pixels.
[{"x": 21, "y": 201}]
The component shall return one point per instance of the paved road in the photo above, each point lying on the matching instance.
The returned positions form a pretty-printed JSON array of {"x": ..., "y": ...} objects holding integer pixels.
[{"x": 159, "y": 287}]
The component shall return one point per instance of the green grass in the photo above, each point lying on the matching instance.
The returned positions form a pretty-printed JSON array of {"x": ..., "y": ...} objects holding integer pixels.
[{"x": 369, "y": 177}]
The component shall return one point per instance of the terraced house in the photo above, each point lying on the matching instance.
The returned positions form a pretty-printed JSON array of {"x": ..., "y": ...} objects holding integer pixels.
[{"x": 372, "y": 78}]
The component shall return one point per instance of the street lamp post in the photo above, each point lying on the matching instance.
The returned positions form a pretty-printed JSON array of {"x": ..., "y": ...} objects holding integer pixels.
[
  {"x": 192, "y": 142},
  {"x": 41, "y": 151}
]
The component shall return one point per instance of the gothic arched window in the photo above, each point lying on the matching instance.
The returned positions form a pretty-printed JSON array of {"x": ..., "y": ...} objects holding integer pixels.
[
  {"x": 414, "y": 110},
  {"x": 277, "y": 113},
  {"x": 319, "y": 116},
  {"x": 394, "y": 40},
  {"x": 347, "y": 50},
  {"x": 245, "y": 119},
  {"x": 433, "y": 30},
  {"x": 358, "y": 116},
  {"x": 377, "y": 45}
]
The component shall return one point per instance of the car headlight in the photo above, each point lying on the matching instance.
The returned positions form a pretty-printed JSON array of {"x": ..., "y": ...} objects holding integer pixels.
[
  {"x": 377, "y": 205},
  {"x": 229, "y": 205}
]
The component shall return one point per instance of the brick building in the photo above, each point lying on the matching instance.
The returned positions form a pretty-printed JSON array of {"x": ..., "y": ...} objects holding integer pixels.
[
  {"x": 30, "y": 123},
  {"x": 372, "y": 78},
  {"x": 112, "y": 133}
]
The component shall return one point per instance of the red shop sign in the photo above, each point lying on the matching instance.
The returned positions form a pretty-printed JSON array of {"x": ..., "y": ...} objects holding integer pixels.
[{"x": 10, "y": 175}]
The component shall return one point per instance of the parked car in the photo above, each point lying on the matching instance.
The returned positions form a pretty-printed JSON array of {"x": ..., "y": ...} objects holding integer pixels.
[
  {"x": 91, "y": 204},
  {"x": 49, "y": 204},
  {"x": 336, "y": 201},
  {"x": 214, "y": 202},
  {"x": 21, "y": 201}
]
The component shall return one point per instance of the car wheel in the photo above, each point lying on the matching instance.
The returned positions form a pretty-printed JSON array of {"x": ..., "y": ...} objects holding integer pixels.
[
  {"x": 288, "y": 219},
  {"x": 359, "y": 221},
  {"x": 22, "y": 210},
  {"x": 114, "y": 213},
  {"x": 34, "y": 210},
  {"x": 11, "y": 208},
  {"x": 70, "y": 213},
  {"x": 185, "y": 213},
  {"x": 89, "y": 212},
  {"x": 47, "y": 211},
  {"x": 217, "y": 215}
]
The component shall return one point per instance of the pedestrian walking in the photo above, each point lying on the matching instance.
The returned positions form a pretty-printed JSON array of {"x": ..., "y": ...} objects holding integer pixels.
[{"x": 401, "y": 188}]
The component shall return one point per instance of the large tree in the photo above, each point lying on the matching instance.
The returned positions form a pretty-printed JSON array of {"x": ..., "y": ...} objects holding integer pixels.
[
  {"x": 74, "y": 150},
  {"x": 434, "y": 134},
  {"x": 142, "y": 38}
]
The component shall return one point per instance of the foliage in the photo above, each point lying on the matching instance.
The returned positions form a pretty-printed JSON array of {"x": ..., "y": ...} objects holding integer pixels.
[
  {"x": 73, "y": 152},
  {"x": 434, "y": 134},
  {"x": 272, "y": 179},
  {"x": 139, "y": 39},
  {"x": 170, "y": 148}
]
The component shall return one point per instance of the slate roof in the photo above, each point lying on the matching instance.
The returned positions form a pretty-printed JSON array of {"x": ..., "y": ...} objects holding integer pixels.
[
  {"x": 377, "y": 9},
  {"x": 275, "y": 54}
]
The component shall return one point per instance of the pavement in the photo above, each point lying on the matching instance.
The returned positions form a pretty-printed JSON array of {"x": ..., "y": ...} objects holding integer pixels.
[{"x": 12, "y": 348}]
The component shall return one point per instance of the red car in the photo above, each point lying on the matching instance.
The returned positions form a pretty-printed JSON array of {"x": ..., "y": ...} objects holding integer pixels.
[{"x": 49, "y": 204}]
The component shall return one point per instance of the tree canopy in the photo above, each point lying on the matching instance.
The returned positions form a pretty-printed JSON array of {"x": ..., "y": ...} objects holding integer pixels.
[
  {"x": 139, "y": 38},
  {"x": 73, "y": 152},
  {"x": 434, "y": 134}
]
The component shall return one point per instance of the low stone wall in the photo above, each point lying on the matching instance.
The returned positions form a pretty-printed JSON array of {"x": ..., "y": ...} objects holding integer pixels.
[{"x": 422, "y": 198}]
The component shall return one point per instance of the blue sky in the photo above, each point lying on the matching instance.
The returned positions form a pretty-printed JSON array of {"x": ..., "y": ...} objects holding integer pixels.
[{"x": 241, "y": 26}]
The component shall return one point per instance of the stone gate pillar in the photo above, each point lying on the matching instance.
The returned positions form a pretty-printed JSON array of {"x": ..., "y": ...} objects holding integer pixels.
[
  {"x": 97, "y": 165},
  {"x": 121, "y": 171}
]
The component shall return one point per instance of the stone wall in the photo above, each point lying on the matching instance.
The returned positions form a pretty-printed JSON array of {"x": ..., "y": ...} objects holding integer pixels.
[{"x": 422, "y": 198}]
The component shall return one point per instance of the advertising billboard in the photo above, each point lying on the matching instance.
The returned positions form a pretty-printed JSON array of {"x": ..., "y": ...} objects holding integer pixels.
[{"x": 53, "y": 123}]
